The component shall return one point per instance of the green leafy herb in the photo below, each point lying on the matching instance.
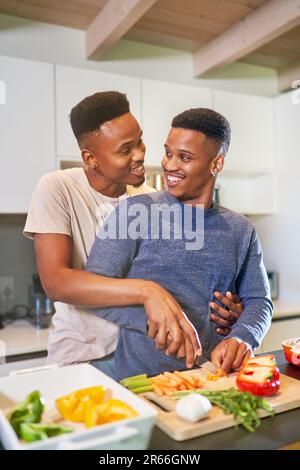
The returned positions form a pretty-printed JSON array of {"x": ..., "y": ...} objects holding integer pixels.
[{"x": 243, "y": 405}]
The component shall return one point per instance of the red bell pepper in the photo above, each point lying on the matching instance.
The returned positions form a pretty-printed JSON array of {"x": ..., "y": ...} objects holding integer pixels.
[
  {"x": 266, "y": 360},
  {"x": 259, "y": 376}
]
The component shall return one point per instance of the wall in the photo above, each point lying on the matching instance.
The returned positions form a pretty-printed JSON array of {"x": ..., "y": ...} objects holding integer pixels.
[
  {"x": 44, "y": 42},
  {"x": 280, "y": 233},
  {"x": 40, "y": 41},
  {"x": 16, "y": 257}
]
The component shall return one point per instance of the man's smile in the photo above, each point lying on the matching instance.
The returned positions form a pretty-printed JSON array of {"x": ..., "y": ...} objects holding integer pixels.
[
  {"x": 173, "y": 179},
  {"x": 138, "y": 170}
]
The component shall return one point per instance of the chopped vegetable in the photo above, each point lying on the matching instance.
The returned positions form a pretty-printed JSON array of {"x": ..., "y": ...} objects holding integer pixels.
[
  {"x": 213, "y": 377},
  {"x": 108, "y": 412},
  {"x": 163, "y": 384},
  {"x": 138, "y": 383},
  {"x": 93, "y": 406},
  {"x": 37, "y": 432},
  {"x": 28, "y": 411},
  {"x": 266, "y": 360},
  {"x": 260, "y": 376},
  {"x": 73, "y": 407},
  {"x": 243, "y": 405},
  {"x": 143, "y": 389}
]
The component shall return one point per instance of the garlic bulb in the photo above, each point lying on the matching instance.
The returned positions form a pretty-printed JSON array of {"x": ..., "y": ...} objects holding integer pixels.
[{"x": 193, "y": 407}]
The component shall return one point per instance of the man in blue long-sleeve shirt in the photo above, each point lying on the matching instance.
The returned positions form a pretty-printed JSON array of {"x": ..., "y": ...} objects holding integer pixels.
[{"x": 229, "y": 258}]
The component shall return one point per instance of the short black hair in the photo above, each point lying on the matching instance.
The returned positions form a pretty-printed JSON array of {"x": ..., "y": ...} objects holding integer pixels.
[
  {"x": 93, "y": 111},
  {"x": 212, "y": 124}
]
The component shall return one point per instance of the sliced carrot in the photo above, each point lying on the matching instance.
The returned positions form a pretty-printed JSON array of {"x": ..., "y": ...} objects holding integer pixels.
[
  {"x": 196, "y": 377},
  {"x": 190, "y": 387},
  {"x": 179, "y": 374},
  {"x": 213, "y": 377},
  {"x": 160, "y": 383},
  {"x": 185, "y": 378},
  {"x": 169, "y": 382},
  {"x": 162, "y": 378},
  {"x": 190, "y": 379},
  {"x": 173, "y": 377},
  {"x": 166, "y": 391},
  {"x": 158, "y": 391}
]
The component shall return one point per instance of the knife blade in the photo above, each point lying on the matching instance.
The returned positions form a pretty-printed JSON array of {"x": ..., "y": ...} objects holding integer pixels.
[
  {"x": 158, "y": 401},
  {"x": 204, "y": 363}
]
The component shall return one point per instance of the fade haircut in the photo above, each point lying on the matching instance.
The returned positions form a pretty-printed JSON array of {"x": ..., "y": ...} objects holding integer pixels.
[
  {"x": 212, "y": 124},
  {"x": 93, "y": 111}
]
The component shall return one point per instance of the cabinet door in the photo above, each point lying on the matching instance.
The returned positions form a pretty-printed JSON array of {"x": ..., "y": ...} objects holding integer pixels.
[
  {"x": 279, "y": 331},
  {"x": 248, "y": 193},
  {"x": 161, "y": 101},
  {"x": 251, "y": 119},
  {"x": 73, "y": 85},
  {"x": 26, "y": 130}
]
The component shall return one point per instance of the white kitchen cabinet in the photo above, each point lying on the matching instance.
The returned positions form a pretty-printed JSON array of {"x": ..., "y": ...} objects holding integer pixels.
[
  {"x": 161, "y": 101},
  {"x": 248, "y": 181},
  {"x": 252, "y": 130},
  {"x": 26, "y": 130},
  {"x": 279, "y": 331},
  {"x": 248, "y": 192},
  {"x": 73, "y": 85}
]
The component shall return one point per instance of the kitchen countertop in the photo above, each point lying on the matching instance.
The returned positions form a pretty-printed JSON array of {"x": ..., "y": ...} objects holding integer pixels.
[
  {"x": 276, "y": 432},
  {"x": 21, "y": 337},
  {"x": 284, "y": 310}
]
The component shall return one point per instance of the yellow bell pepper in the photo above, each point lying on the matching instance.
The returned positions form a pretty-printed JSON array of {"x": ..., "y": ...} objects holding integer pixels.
[
  {"x": 93, "y": 406},
  {"x": 73, "y": 407},
  {"x": 108, "y": 412},
  {"x": 96, "y": 394},
  {"x": 66, "y": 405},
  {"x": 96, "y": 414}
]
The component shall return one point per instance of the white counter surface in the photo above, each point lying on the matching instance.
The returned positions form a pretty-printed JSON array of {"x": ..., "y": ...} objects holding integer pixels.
[
  {"x": 283, "y": 309},
  {"x": 21, "y": 337}
]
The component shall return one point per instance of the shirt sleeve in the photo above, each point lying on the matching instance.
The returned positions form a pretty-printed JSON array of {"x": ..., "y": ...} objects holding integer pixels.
[
  {"x": 112, "y": 255},
  {"x": 254, "y": 290},
  {"x": 48, "y": 211}
]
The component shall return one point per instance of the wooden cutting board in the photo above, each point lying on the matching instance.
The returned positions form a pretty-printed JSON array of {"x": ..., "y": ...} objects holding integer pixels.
[{"x": 179, "y": 429}]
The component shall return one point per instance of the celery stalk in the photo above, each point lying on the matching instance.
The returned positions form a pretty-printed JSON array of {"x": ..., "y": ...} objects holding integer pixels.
[
  {"x": 129, "y": 379},
  {"x": 145, "y": 388}
]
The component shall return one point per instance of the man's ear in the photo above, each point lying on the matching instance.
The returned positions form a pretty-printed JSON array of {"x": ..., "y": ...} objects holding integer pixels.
[
  {"x": 88, "y": 157},
  {"x": 217, "y": 164}
]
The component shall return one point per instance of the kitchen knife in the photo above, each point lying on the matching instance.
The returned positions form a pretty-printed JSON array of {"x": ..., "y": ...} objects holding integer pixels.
[
  {"x": 160, "y": 402},
  {"x": 204, "y": 363}
]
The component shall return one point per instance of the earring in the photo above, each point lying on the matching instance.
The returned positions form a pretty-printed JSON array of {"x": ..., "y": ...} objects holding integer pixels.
[{"x": 213, "y": 173}]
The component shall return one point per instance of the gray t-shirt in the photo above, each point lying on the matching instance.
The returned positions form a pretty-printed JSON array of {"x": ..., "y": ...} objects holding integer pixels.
[{"x": 230, "y": 259}]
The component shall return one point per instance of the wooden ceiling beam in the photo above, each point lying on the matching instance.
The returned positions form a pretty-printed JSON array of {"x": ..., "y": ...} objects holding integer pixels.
[
  {"x": 112, "y": 22},
  {"x": 261, "y": 26}
]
